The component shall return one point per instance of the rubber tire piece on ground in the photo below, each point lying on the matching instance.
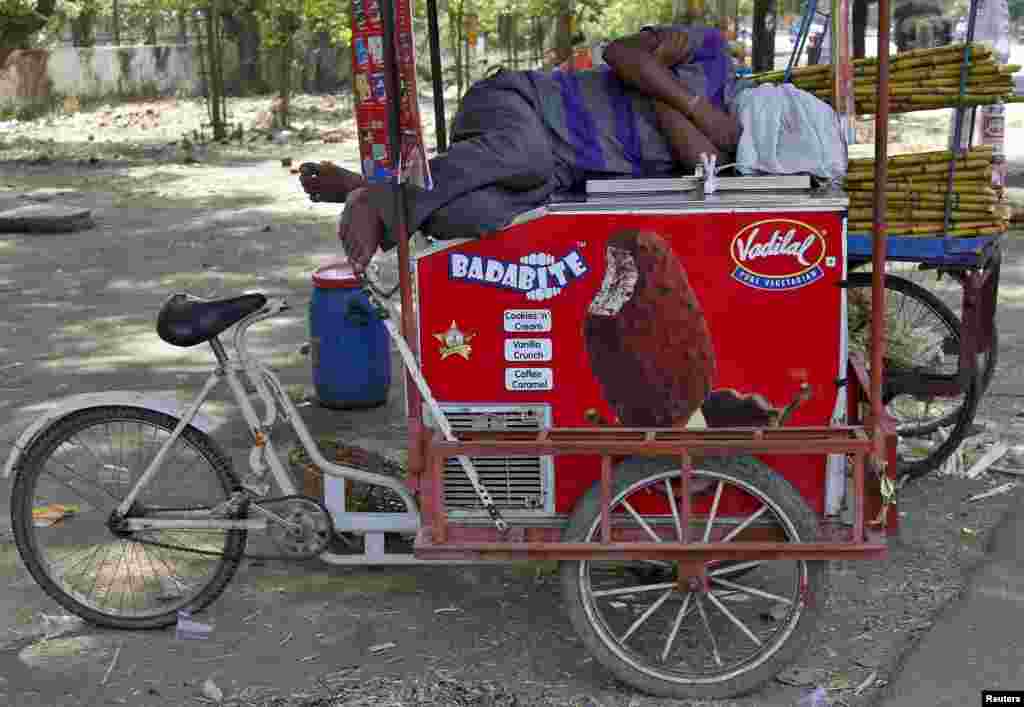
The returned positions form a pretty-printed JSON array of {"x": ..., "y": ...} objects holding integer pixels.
[
  {"x": 745, "y": 469},
  {"x": 21, "y": 510}
]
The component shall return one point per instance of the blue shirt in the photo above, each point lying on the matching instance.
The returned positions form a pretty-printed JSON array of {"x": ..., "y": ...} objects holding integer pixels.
[{"x": 602, "y": 127}]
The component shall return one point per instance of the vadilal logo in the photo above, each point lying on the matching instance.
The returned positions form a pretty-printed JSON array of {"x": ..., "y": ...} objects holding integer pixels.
[
  {"x": 778, "y": 254},
  {"x": 454, "y": 342},
  {"x": 539, "y": 276}
]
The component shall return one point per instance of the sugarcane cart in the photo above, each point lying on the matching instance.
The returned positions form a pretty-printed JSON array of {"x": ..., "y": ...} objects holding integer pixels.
[{"x": 946, "y": 214}]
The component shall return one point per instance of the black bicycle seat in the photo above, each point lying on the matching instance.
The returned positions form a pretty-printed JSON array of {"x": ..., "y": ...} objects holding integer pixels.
[{"x": 185, "y": 320}]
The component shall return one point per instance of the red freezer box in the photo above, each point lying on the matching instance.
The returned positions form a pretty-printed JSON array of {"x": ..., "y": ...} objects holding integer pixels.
[{"x": 593, "y": 308}]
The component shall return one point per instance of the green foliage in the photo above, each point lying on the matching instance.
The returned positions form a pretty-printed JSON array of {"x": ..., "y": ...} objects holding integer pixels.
[
  {"x": 21, "y": 19},
  {"x": 281, "y": 20}
]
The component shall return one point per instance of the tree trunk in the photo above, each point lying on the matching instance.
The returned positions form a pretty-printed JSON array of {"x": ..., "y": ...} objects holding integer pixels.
[
  {"x": 215, "y": 81},
  {"x": 82, "y": 30},
  {"x": 182, "y": 28},
  {"x": 455, "y": 32},
  {"x": 115, "y": 16},
  {"x": 285, "y": 92},
  {"x": 243, "y": 27},
  {"x": 860, "y": 27},
  {"x": 326, "y": 80},
  {"x": 564, "y": 32},
  {"x": 763, "y": 53},
  {"x": 151, "y": 31},
  {"x": 514, "y": 31}
]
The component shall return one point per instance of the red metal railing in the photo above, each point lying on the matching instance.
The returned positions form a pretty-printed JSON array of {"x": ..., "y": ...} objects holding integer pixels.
[{"x": 445, "y": 538}]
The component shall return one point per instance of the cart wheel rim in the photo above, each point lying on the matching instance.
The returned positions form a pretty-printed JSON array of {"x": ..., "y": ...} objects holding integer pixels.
[{"x": 697, "y": 612}]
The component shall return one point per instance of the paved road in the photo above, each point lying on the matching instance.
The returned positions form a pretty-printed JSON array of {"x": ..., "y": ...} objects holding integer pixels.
[{"x": 978, "y": 642}]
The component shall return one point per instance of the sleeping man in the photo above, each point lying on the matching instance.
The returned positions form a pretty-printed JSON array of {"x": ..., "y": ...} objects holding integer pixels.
[{"x": 520, "y": 136}]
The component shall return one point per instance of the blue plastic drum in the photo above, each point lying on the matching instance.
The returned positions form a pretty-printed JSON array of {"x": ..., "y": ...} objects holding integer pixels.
[{"x": 350, "y": 347}]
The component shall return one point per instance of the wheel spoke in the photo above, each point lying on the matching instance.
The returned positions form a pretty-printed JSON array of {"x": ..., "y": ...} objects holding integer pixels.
[
  {"x": 659, "y": 563},
  {"x": 707, "y": 628},
  {"x": 634, "y": 590},
  {"x": 643, "y": 524},
  {"x": 738, "y": 567},
  {"x": 732, "y": 617},
  {"x": 99, "y": 462},
  {"x": 750, "y": 590},
  {"x": 743, "y": 526},
  {"x": 675, "y": 510},
  {"x": 76, "y": 475},
  {"x": 714, "y": 511},
  {"x": 647, "y": 614},
  {"x": 683, "y": 611}
]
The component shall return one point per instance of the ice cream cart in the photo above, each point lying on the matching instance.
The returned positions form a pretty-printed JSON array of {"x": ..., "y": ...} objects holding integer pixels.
[{"x": 554, "y": 412}]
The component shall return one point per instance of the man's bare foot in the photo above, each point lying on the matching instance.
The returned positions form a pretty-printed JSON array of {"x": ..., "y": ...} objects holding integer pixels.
[
  {"x": 332, "y": 183},
  {"x": 360, "y": 229}
]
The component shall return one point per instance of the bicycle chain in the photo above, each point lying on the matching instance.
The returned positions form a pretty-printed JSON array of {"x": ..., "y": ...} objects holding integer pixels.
[
  {"x": 245, "y": 555},
  {"x": 376, "y": 497}
]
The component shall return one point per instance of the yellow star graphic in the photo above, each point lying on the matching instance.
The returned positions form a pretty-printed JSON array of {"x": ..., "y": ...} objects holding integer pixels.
[{"x": 454, "y": 342}]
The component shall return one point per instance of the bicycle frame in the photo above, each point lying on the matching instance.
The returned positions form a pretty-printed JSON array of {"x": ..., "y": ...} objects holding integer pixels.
[{"x": 274, "y": 397}]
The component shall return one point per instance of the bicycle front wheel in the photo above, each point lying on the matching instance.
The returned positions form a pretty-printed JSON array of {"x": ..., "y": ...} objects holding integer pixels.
[{"x": 70, "y": 480}]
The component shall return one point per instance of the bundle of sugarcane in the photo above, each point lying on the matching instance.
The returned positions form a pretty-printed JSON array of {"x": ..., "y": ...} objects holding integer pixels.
[
  {"x": 916, "y": 193},
  {"x": 922, "y": 79}
]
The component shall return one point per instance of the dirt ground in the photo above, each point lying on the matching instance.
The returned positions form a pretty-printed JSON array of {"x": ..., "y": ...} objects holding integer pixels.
[{"x": 79, "y": 311}]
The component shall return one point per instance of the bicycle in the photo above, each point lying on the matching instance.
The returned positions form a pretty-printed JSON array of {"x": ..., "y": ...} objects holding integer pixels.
[{"x": 168, "y": 543}]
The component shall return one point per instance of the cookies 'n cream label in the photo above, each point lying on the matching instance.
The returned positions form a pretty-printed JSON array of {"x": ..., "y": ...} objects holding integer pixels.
[{"x": 526, "y": 321}]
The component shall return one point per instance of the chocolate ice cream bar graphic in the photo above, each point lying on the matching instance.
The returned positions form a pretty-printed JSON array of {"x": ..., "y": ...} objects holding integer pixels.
[{"x": 646, "y": 335}]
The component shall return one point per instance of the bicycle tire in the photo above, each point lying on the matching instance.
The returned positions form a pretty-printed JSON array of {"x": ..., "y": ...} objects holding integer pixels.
[
  {"x": 959, "y": 420},
  {"x": 34, "y": 464}
]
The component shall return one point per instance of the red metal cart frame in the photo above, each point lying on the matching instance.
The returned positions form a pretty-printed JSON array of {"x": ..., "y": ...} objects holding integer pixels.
[{"x": 870, "y": 444}]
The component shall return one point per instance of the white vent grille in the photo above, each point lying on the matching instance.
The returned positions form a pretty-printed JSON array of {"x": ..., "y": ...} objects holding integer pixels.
[{"x": 515, "y": 483}]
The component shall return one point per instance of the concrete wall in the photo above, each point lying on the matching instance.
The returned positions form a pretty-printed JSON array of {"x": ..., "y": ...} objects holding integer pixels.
[{"x": 98, "y": 72}]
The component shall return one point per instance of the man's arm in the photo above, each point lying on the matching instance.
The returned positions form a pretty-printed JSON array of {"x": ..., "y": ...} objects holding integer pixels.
[
  {"x": 637, "y": 61},
  {"x": 684, "y": 139}
]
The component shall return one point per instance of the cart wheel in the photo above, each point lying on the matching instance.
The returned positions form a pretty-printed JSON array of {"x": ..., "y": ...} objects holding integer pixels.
[
  {"x": 676, "y": 637},
  {"x": 925, "y": 334}
]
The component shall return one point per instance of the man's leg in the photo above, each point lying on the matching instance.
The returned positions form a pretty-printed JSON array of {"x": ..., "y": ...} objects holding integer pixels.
[
  {"x": 498, "y": 139},
  {"x": 331, "y": 184},
  {"x": 482, "y": 211},
  {"x": 360, "y": 228},
  {"x": 476, "y": 213}
]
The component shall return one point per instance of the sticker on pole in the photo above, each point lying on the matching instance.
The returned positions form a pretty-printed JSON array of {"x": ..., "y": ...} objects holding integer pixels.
[
  {"x": 778, "y": 254},
  {"x": 529, "y": 379}
]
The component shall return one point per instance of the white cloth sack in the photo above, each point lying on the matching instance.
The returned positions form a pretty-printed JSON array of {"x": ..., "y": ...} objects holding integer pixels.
[{"x": 789, "y": 131}]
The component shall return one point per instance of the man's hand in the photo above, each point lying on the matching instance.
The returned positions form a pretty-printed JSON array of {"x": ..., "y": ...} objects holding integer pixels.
[{"x": 674, "y": 48}]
